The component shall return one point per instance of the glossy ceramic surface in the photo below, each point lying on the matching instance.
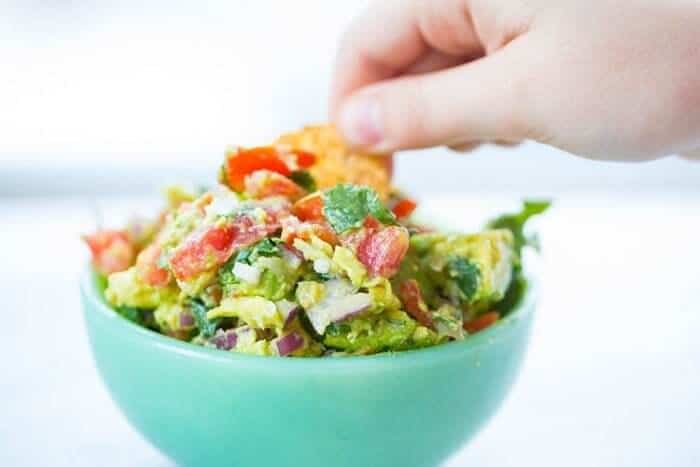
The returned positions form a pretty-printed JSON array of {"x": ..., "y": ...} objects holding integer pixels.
[{"x": 205, "y": 407}]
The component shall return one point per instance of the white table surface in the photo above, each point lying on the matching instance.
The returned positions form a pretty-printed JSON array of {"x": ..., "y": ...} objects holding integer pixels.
[{"x": 612, "y": 377}]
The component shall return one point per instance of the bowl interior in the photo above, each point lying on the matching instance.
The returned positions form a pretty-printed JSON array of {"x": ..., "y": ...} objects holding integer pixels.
[{"x": 92, "y": 290}]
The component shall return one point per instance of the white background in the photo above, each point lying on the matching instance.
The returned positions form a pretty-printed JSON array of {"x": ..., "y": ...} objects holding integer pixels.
[{"x": 103, "y": 99}]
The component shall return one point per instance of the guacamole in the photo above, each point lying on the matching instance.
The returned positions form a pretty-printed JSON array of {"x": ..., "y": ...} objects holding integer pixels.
[{"x": 271, "y": 262}]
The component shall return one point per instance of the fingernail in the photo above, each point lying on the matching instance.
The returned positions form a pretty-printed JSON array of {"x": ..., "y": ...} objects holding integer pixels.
[{"x": 360, "y": 121}]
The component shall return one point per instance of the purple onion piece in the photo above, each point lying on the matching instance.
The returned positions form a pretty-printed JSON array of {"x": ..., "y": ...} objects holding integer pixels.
[
  {"x": 289, "y": 310},
  {"x": 290, "y": 316},
  {"x": 231, "y": 339},
  {"x": 186, "y": 319},
  {"x": 289, "y": 343},
  {"x": 225, "y": 340}
]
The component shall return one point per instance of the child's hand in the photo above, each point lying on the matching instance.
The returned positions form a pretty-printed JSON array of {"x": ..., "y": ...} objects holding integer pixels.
[{"x": 607, "y": 79}]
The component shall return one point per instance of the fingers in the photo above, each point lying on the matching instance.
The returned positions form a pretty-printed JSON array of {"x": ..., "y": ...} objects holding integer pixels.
[
  {"x": 692, "y": 155},
  {"x": 393, "y": 35},
  {"x": 469, "y": 147},
  {"x": 464, "y": 147},
  {"x": 435, "y": 61},
  {"x": 479, "y": 101}
]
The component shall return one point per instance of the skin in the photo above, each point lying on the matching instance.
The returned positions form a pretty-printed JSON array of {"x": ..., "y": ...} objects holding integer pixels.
[{"x": 604, "y": 79}]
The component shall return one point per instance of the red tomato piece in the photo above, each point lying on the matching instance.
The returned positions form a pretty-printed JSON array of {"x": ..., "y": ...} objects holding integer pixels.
[
  {"x": 275, "y": 214},
  {"x": 413, "y": 303},
  {"x": 112, "y": 250},
  {"x": 210, "y": 246},
  {"x": 324, "y": 232},
  {"x": 292, "y": 228},
  {"x": 404, "y": 208},
  {"x": 305, "y": 159},
  {"x": 382, "y": 251},
  {"x": 245, "y": 162},
  {"x": 371, "y": 223},
  {"x": 481, "y": 322},
  {"x": 264, "y": 183},
  {"x": 309, "y": 208},
  {"x": 147, "y": 267},
  {"x": 201, "y": 251}
]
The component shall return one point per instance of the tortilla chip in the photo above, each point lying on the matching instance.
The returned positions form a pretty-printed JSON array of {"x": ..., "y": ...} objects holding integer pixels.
[{"x": 337, "y": 163}]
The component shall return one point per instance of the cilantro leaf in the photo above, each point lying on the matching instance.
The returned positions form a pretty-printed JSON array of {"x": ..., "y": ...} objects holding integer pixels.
[
  {"x": 265, "y": 247},
  {"x": 304, "y": 179},
  {"x": 514, "y": 294},
  {"x": 226, "y": 277},
  {"x": 516, "y": 223},
  {"x": 199, "y": 311},
  {"x": 465, "y": 274},
  {"x": 346, "y": 206}
]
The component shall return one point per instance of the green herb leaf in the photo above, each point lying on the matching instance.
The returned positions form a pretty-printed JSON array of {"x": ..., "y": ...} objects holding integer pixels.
[
  {"x": 199, "y": 311},
  {"x": 304, "y": 179},
  {"x": 516, "y": 223},
  {"x": 465, "y": 274},
  {"x": 514, "y": 294},
  {"x": 265, "y": 247},
  {"x": 226, "y": 277},
  {"x": 347, "y": 206}
]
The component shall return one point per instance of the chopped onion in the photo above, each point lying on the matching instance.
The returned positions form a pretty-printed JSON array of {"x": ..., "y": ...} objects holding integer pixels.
[
  {"x": 292, "y": 259},
  {"x": 288, "y": 310},
  {"x": 225, "y": 202},
  {"x": 246, "y": 335},
  {"x": 322, "y": 266},
  {"x": 225, "y": 340},
  {"x": 336, "y": 288},
  {"x": 337, "y": 309},
  {"x": 289, "y": 343},
  {"x": 246, "y": 273}
]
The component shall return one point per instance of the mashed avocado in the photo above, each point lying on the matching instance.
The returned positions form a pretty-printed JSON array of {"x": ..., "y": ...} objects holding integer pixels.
[{"x": 259, "y": 265}]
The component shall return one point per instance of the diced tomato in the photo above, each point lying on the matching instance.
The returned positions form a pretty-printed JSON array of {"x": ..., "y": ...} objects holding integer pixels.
[
  {"x": 355, "y": 237},
  {"x": 382, "y": 251},
  {"x": 324, "y": 232},
  {"x": 147, "y": 267},
  {"x": 275, "y": 213},
  {"x": 481, "y": 322},
  {"x": 210, "y": 247},
  {"x": 112, "y": 250},
  {"x": 305, "y": 159},
  {"x": 412, "y": 300},
  {"x": 292, "y": 228},
  {"x": 201, "y": 251},
  {"x": 371, "y": 223},
  {"x": 264, "y": 183},
  {"x": 310, "y": 208},
  {"x": 245, "y": 162},
  {"x": 404, "y": 208}
]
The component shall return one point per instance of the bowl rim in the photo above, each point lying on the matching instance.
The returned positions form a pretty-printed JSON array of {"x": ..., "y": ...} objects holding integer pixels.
[{"x": 94, "y": 302}]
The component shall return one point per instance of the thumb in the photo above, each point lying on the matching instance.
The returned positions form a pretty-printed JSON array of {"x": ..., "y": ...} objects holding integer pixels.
[{"x": 483, "y": 100}]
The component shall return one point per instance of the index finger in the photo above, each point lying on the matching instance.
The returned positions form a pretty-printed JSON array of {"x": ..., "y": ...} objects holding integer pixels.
[
  {"x": 392, "y": 35},
  {"x": 381, "y": 41}
]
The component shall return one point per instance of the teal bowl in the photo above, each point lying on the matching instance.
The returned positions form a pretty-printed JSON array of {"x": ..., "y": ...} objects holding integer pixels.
[{"x": 206, "y": 407}]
